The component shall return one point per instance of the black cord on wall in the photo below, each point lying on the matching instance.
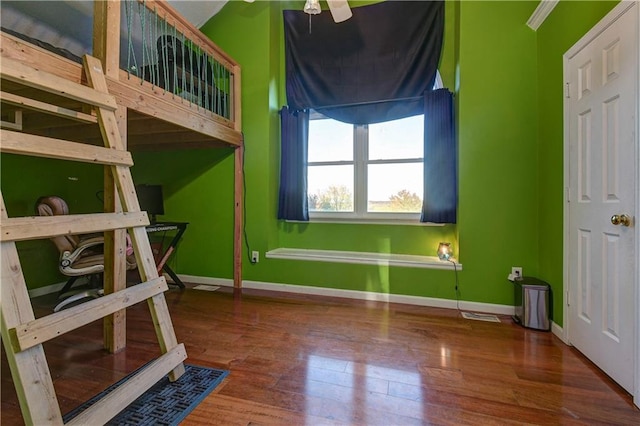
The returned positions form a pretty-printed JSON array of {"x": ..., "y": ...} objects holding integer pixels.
[
  {"x": 244, "y": 204},
  {"x": 457, "y": 288}
]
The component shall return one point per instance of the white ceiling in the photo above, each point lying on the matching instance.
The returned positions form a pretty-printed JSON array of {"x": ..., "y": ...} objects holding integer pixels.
[
  {"x": 68, "y": 24},
  {"x": 198, "y": 12}
]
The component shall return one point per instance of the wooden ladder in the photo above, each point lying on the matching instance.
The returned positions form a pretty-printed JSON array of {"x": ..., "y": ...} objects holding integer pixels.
[{"x": 22, "y": 334}]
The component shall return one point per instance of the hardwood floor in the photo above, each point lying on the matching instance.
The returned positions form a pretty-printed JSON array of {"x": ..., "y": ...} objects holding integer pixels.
[{"x": 321, "y": 361}]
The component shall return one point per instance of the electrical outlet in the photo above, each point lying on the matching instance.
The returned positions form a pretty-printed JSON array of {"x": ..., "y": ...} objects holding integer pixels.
[
  {"x": 516, "y": 271},
  {"x": 255, "y": 256}
]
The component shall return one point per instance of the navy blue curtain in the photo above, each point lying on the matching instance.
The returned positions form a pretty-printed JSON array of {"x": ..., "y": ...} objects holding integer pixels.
[
  {"x": 440, "y": 198},
  {"x": 386, "y": 51},
  {"x": 292, "y": 200}
]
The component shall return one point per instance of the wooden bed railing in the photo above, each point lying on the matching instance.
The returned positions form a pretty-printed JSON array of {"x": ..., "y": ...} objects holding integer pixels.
[
  {"x": 165, "y": 50},
  {"x": 171, "y": 71},
  {"x": 165, "y": 56}
]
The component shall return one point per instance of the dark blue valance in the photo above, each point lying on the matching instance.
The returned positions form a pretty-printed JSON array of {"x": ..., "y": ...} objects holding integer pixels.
[{"x": 386, "y": 51}]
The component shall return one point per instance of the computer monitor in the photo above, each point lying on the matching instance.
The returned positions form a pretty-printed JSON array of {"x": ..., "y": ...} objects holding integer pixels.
[{"x": 150, "y": 199}]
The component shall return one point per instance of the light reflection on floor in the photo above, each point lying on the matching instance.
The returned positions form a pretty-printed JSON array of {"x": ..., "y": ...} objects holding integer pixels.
[{"x": 357, "y": 386}]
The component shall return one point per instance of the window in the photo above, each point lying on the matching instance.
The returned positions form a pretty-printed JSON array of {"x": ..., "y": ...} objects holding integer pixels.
[{"x": 365, "y": 172}]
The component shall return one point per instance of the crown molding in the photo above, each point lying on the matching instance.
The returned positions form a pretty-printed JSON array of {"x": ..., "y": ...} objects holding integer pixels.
[{"x": 541, "y": 13}]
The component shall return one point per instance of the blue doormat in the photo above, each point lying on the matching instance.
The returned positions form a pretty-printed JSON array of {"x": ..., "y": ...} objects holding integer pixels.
[{"x": 165, "y": 403}]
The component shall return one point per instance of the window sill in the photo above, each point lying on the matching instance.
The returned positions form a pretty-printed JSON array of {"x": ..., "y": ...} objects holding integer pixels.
[
  {"x": 358, "y": 221},
  {"x": 363, "y": 258}
]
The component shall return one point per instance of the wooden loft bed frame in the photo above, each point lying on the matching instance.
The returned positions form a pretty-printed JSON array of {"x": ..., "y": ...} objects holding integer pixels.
[
  {"x": 23, "y": 335},
  {"x": 148, "y": 117},
  {"x": 56, "y": 108},
  {"x": 190, "y": 125}
]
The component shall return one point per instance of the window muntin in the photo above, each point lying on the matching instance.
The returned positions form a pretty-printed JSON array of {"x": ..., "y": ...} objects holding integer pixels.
[{"x": 367, "y": 172}]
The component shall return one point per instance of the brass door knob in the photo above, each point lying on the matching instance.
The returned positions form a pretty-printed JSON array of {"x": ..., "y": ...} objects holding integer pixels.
[{"x": 622, "y": 219}]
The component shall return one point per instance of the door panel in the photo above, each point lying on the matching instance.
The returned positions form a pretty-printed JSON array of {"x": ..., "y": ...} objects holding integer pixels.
[{"x": 602, "y": 162}]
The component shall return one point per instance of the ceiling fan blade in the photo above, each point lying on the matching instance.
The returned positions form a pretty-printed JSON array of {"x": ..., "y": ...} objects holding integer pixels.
[{"x": 340, "y": 10}]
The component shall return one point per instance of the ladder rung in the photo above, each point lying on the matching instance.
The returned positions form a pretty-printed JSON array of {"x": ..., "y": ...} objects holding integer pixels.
[
  {"x": 40, "y": 227},
  {"x": 117, "y": 400},
  {"x": 35, "y": 105},
  {"x": 40, "y": 146},
  {"x": 13, "y": 70},
  {"x": 46, "y": 328}
]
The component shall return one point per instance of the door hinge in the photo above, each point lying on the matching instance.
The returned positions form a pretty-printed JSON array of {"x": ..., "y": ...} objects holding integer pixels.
[
  {"x": 567, "y": 194},
  {"x": 567, "y": 92},
  {"x": 568, "y": 299}
]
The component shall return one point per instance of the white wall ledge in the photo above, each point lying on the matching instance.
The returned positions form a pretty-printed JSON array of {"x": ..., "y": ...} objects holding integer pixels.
[{"x": 363, "y": 258}]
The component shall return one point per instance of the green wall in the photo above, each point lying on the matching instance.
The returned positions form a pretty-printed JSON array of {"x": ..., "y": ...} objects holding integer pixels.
[
  {"x": 569, "y": 21},
  {"x": 247, "y": 31},
  {"x": 497, "y": 119},
  {"x": 197, "y": 188},
  {"x": 498, "y": 159}
]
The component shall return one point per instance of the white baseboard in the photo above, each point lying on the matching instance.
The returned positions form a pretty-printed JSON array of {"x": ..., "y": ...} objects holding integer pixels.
[
  {"x": 490, "y": 308},
  {"x": 194, "y": 279},
  {"x": 41, "y": 291},
  {"x": 334, "y": 292},
  {"x": 54, "y": 288},
  {"x": 559, "y": 332},
  {"x": 356, "y": 294}
]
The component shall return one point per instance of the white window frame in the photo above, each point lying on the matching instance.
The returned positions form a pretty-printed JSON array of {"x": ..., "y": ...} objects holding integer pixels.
[
  {"x": 360, "y": 164},
  {"x": 360, "y": 213}
]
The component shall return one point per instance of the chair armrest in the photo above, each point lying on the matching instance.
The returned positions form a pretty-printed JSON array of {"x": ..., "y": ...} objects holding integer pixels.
[{"x": 67, "y": 258}]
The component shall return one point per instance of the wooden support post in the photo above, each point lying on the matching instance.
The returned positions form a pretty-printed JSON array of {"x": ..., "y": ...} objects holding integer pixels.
[
  {"x": 238, "y": 222},
  {"x": 235, "y": 98},
  {"x": 106, "y": 47},
  {"x": 115, "y": 268},
  {"x": 106, "y": 35}
]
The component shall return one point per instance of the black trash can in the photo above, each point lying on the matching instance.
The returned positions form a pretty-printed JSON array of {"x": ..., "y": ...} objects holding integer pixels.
[{"x": 532, "y": 303}]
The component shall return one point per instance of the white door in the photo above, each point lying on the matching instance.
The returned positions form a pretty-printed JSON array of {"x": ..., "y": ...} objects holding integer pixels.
[{"x": 603, "y": 156}]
